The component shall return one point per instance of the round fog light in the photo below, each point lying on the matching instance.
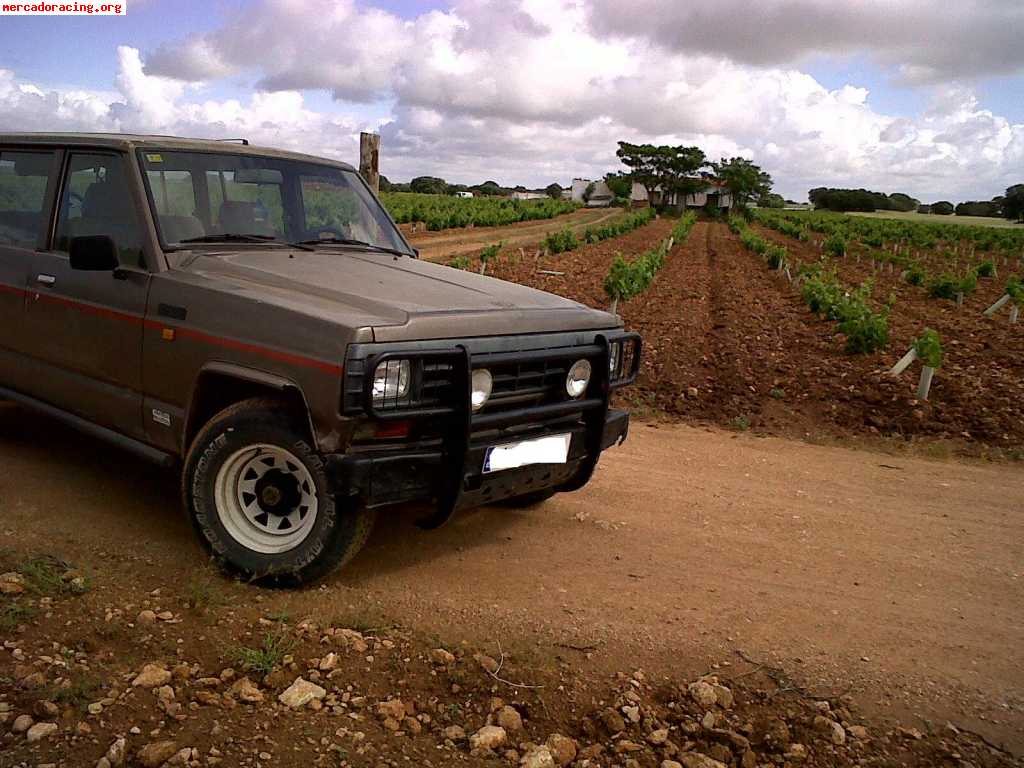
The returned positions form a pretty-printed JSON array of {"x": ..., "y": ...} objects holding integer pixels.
[
  {"x": 578, "y": 378},
  {"x": 482, "y": 383}
]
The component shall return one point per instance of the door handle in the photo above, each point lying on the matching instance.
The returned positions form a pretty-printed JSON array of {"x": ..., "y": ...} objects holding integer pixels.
[{"x": 46, "y": 279}]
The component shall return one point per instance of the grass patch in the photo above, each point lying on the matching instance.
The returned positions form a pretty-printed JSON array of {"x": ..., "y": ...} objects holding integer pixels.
[
  {"x": 14, "y": 614},
  {"x": 740, "y": 423},
  {"x": 203, "y": 592},
  {"x": 777, "y": 393},
  {"x": 274, "y": 647},
  {"x": 44, "y": 577},
  {"x": 78, "y": 693},
  {"x": 362, "y": 621}
]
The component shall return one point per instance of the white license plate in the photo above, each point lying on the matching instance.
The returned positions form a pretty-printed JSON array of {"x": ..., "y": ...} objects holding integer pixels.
[{"x": 543, "y": 450}]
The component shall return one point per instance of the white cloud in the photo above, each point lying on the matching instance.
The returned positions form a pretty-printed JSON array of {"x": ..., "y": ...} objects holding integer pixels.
[
  {"x": 929, "y": 43},
  {"x": 529, "y": 92}
]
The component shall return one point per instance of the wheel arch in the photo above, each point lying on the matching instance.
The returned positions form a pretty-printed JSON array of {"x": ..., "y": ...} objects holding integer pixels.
[{"x": 221, "y": 384}]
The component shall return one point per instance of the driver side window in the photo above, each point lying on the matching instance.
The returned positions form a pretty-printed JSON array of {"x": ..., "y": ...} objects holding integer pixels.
[{"x": 96, "y": 201}]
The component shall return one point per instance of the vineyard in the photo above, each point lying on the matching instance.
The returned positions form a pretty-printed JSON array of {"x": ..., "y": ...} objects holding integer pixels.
[
  {"x": 795, "y": 323},
  {"x": 439, "y": 212}
]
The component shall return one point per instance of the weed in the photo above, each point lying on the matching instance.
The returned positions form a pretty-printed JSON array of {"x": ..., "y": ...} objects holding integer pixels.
[
  {"x": 460, "y": 262},
  {"x": 740, "y": 423},
  {"x": 262, "y": 660},
  {"x": 43, "y": 575},
  {"x": 777, "y": 393},
  {"x": 14, "y": 614},
  {"x": 78, "y": 691},
  {"x": 202, "y": 593}
]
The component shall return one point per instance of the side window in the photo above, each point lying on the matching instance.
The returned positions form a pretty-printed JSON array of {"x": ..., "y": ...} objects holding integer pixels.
[
  {"x": 96, "y": 201},
  {"x": 23, "y": 178}
]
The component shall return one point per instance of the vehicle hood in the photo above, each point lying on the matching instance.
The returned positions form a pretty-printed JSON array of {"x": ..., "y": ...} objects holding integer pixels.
[{"x": 399, "y": 298}]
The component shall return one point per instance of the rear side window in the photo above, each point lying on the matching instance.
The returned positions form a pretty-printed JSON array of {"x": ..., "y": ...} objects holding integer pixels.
[
  {"x": 97, "y": 201},
  {"x": 23, "y": 180}
]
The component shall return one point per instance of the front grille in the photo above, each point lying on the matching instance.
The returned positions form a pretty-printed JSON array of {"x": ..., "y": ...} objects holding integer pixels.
[
  {"x": 528, "y": 372},
  {"x": 532, "y": 382}
]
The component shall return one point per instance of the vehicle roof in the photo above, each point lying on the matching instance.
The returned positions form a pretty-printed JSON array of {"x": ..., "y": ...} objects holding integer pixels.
[{"x": 131, "y": 141}]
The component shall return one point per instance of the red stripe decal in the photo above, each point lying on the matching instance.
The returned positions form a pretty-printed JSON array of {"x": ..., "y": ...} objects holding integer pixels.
[{"x": 199, "y": 336}]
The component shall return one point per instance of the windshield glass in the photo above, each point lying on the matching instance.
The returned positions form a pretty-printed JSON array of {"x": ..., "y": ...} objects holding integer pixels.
[{"x": 200, "y": 196}]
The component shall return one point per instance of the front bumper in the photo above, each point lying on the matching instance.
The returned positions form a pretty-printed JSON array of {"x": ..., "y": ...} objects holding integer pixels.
[{"x": 392, "y": 476}]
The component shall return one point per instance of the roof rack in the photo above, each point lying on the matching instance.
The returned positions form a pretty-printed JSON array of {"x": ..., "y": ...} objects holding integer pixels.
[{"x": 244, "y": 142}]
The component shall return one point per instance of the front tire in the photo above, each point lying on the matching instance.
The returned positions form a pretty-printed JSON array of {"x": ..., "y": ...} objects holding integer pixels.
[{"x": 260, "y": 499}]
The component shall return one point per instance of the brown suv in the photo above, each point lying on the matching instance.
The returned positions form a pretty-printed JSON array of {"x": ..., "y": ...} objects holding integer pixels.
[{"x": 258, "y": 315}]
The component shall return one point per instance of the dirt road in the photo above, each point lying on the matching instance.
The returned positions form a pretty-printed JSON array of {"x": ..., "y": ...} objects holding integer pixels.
[
  {"x": 435, "y": 246},
  {"x": 896, "y": 579}
]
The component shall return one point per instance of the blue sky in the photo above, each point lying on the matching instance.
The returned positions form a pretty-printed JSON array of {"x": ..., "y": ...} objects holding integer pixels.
[{"x": 536, "y": 90}]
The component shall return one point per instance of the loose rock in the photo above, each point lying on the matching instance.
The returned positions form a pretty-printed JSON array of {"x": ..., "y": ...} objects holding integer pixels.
[
  {"x": 156, "y": 753},
  {"x": 40, "y": 731},
  {"x": 703, "y": 693},
  {"x": 300, "y": 693},
  {"x": 245, "y": 690},
  {"x": 152, "y": 676},
  {"x": 538, "y": 757},
  {"x": 697, "y": 760},
  {"x": 509, "y": 719},
  {"x": 488, "y": 737},
  {"x": 563, "y": 749}
]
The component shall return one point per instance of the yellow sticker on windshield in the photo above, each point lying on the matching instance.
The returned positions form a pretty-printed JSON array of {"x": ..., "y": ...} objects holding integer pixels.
[{"x": 154, "y": 158}]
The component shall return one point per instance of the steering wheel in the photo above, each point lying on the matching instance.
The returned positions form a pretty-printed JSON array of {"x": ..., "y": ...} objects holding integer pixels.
[{"x": 316, "y": 232}]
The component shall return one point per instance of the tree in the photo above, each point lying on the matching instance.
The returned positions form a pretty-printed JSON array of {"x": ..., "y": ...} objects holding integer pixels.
[
  {"x": 992, "y": 208},
  {"x": 620, "y": 184},
  {"x": 429, "y": 185},
  {"x": 851, "y": 199},
  {"x": 554, "y": 191},
  {"x": 1013, "y": 202},
  {"x": 488, "y": 189},
  {"x": 744, "y": 180},
  {"x": 771, "y": 200},
  {"x": 588, "y": 192},
  {"x": 901, "y": 202},
  {"x": 943, "y": 208},
  {"x": 668, "y": 170}
]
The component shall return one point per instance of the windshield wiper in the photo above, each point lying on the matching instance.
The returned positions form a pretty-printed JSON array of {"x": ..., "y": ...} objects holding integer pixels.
[
  {"x": 236, "y": 237},
  {"x": 352, "y": 241}
]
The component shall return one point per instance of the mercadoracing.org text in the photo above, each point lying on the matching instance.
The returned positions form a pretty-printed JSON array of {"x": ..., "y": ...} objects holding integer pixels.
[{"x": 63, "y": 9}]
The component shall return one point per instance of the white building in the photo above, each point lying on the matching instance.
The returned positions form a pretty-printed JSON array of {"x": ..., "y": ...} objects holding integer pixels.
[
  {"x": 713, "y": 192},
  {"x": 528, "y": 195},
  {"x": 600, "y": 196},
  {"x": 464, "y": 194}
]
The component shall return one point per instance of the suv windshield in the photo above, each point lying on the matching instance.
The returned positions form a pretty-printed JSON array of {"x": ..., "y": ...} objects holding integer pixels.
[{"x": 211, "y": 197}]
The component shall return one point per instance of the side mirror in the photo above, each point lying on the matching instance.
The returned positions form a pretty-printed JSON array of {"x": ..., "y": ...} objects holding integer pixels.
[{"x": 94, "y": 253}]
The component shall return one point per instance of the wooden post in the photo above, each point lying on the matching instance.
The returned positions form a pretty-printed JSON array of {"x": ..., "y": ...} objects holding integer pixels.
[{"x": 369, "y": 159}]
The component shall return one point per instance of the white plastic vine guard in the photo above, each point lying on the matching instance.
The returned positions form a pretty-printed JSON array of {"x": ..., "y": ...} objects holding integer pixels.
[
  {"x": 997, "y": 306},
  {"x": 924, "y": 384},
  {"x": 904, "y": 363}
]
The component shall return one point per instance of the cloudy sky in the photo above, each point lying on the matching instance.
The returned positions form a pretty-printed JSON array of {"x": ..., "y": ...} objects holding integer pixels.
[{"x": 897, "y": 95}]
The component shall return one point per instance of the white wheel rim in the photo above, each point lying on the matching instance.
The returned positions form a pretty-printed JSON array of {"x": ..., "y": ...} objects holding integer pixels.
[{"x": 266, "y": 498}]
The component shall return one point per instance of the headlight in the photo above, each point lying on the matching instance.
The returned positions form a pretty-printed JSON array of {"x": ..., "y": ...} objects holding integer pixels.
[
  {"x": 482, "y": 383},
  {"x": 391, "y": 380},
  {"x": 578, "y": 378},
  {"x": 614, "y": 354}
]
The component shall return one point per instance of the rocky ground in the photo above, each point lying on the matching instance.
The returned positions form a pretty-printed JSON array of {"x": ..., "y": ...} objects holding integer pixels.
[{"x": 191, "y": 676}]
